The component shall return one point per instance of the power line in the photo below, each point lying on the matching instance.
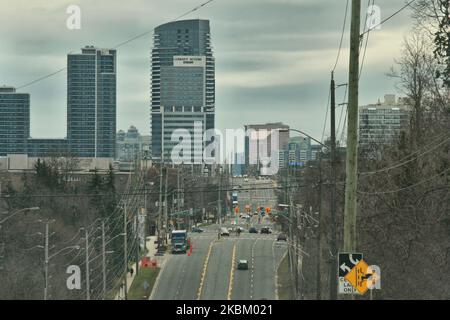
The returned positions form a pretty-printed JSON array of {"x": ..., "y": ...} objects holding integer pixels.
[
  {"x": 115, "y": 47},
  {"x": 400, "y": 164},
  {"x": 326, "y": 116},
  {"x": 390, "y": 17},
  {"x": 367, "y": 37},
  {"x": 406, "y": 188},
  {"x": 342, "y": 36},
  {"x": 192, "y": 191}
]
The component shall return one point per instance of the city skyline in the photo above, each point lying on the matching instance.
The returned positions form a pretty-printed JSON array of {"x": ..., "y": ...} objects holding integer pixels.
[{"x": 247, "y": 66}]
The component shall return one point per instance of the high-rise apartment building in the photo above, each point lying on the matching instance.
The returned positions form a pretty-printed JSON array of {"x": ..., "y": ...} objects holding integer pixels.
[
  {"x": 14, "y": 121},
  {"x": 91, "y": 102},
  {"x": 259, "y": 141},
  {"x": 183, "y": 85},
  {"x": 381, "y": 123}
]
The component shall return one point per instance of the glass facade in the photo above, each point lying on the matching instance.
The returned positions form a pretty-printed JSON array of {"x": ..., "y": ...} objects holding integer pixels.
[
  {"x": 14, "y": 121},
  {"x": 48, "y": 147},
  {"x": 91, "y": 102},
  {"x": 183, "y": 85},
  {"x": 380, "y": 124}
]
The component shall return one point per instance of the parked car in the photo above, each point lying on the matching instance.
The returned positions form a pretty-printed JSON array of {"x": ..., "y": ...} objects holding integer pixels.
[
  {"x": 197, "y": 229},
  {"x": 266, "y": 230},
  {"x": 224, "y": 231},
  {"x": 281, "y": 237},
  {"x": 252, "y": 230},
  {"x": 242, "y": 265}
]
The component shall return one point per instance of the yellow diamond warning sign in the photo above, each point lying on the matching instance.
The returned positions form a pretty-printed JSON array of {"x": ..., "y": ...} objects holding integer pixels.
[{"x": 358, "y": 276}]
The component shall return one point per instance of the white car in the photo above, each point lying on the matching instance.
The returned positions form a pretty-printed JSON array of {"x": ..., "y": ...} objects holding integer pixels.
[{"x": 224, "y": 231}]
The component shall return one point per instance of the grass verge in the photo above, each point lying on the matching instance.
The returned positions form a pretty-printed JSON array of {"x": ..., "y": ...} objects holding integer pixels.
[
  {"x": 285, "y": 284},
  {"x": 140, "y": 291}
]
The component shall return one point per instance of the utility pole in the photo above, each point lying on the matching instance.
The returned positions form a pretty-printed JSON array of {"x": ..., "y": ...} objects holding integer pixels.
[
  {"x": 333, "y": 265},
  {"x": 166, "y": 203},
  {"x": 160, "y": 204},
  {"x": 352, "y": 132},
  {"x": 178, "y": 189},
  {"x": 86, "y": 242},
  {"x": 46, "y": 261},
  {"x": 219, "y": 208},
  {"x": 125, "y": 253},
  {"x": 136, "y": 229},
  {"x": 319, "y": 234},
  {"x": 104, "y": 259}
]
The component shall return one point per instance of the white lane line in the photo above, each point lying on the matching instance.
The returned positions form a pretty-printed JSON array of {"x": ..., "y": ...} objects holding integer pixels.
[
  {"x": 253, "y": 268},
  {"x": 277, "y": 266},
  {"x": 205, "y": 267}
]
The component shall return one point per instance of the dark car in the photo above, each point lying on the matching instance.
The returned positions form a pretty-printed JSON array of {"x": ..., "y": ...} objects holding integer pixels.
[
  {"x": 266, "y": 230},
  {"x": 252, "y": 230},
  {"x": 242, "y": 265},
  {"x": 197, "y": 229},
  {"x": 282, "y": 237}
]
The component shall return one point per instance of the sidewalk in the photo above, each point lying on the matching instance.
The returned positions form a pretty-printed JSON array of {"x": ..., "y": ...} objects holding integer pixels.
[{"x": 151, "y": 250}]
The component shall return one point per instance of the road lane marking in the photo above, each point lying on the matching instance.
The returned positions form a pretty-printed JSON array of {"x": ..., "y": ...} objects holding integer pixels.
[
  {"x": 277, "y": 266},
  {"x": 253, "y": 268},
  {"x": 233, "y": 262},
  {"x": 205, "y": 267},
  {"x": 158, "y": 277}
]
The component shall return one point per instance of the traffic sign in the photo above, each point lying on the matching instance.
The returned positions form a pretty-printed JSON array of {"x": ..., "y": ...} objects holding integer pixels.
[
  {"x": 346, "y": 262},
  {"x": 357, "y": 277}
]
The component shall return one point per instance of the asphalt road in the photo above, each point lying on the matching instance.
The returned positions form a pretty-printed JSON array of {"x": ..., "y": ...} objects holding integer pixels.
[{"x": 210, "y": 272}]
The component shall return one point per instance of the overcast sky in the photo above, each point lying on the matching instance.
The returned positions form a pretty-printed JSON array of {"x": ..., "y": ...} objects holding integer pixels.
[{"x": 273, "y": 57}]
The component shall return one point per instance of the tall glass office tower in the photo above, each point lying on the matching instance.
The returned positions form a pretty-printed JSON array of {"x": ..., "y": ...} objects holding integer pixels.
[
  {"x": 183, "y": 85},
  {"x": 14, "y": 121},
  {"x": 91, "y": 102}
]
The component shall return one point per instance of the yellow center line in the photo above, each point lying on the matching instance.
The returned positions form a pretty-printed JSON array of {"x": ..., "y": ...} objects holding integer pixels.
[
  {"x": 205, "y": 267},
  {"x": 233, "y": 262}
]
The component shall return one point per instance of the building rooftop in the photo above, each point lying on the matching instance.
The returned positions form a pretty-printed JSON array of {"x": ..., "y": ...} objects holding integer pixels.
[{"x": 7, "y": 89}]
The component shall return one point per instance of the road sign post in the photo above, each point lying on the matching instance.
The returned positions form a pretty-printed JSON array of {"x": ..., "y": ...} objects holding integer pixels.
[{"x": 346, "y": 262}]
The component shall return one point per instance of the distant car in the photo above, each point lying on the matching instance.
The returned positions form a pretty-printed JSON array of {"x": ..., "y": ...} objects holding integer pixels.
[
  {"x": 252, "y": 230},
  {"x": 246, "y": 179},
  {"x": 242, "y": 265},
  {"x": 282, "y": 237},
  {"x": 224, "y": 231},
  {"x": 197, "y": 229},
  {"x": 255, "y": 213},
  {"x": 266, "y": 230},
  {"x": 240, "y": 228}
]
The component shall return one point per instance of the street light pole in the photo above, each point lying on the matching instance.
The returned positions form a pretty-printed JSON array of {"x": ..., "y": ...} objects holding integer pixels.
[
  {"x": 125, "y": 253},
  {"x": 219, "y": 208},
  {"x": 46, "y": 261},
  {"x": 104, "y": 259},
  {"x": 86, "y": 242}
]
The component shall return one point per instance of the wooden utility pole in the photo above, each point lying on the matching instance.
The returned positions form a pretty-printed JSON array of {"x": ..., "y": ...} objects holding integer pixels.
[
  {"x": 160, "y": 207},
  {"x": 86, "y": 242},
  {"x": 125, "y": 252},
  {"x": 333, "y": 265},
  {"x": 352, "y": 132},
  {"x": 319, "y": 236}
]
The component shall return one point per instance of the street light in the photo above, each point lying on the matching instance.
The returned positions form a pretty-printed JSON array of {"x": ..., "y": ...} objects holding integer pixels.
[{"x": 18, "y": 211}]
